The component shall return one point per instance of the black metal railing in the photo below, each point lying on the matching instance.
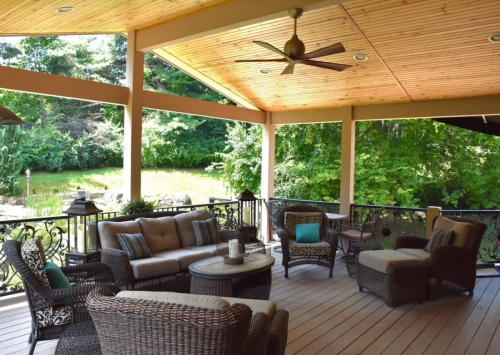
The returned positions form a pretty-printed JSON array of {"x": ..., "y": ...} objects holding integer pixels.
[{"x": 54, "y": 232}]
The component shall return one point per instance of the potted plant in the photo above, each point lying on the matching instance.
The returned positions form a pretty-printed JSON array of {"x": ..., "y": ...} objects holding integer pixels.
[{"x": 137, "y": 206}]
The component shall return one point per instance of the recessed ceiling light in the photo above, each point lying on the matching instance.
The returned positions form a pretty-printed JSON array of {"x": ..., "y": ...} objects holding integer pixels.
[
  {"x": 265, "y": 71},
  {"x": 495, "y": 38},
  {"x": 64, "y": 10},
  {"x": 360, "y": 57}
]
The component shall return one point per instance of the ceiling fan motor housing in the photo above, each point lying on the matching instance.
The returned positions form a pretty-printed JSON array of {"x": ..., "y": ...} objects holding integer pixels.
[{"x": 294, "y": 47}]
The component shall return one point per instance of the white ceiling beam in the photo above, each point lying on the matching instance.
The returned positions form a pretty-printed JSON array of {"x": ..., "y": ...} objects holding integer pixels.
[
  {"x": 220, "y": 18},
  {"x": 432, "y": 108},
  {"x": 61, "y": 86},
  {"x": 420, "y": 109},
  {"x": 186, "y": 105}
]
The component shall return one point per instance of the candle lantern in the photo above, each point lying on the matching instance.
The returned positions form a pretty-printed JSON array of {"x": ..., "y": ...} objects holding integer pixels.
[
  {"x": 247, "y": 208},
  {"x": 84, "y": 209}
]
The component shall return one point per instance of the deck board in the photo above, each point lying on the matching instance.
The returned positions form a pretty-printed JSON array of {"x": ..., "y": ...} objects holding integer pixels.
[{"x": 330, "y": 316}]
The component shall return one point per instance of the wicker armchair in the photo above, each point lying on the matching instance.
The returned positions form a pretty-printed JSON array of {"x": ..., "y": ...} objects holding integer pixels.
[
  {"x": 294, "y": 253},
  {"x": 451, "y": 268},
  {"x": 83, "y": 279},
  {"x": 274, "y": 207},
  {"x": 143, "y": 326}
]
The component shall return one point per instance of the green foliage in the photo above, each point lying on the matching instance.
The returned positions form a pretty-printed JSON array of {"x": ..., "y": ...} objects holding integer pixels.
[
  {"x": 10, "y": 159},
  {"x": 137, "y": 206},
  {"x": 241, "y": 159},
  {"x": 45, "y": 202}
]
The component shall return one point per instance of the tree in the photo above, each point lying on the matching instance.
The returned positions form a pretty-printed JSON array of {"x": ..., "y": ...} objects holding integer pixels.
[{"x": 10, "y": 159}]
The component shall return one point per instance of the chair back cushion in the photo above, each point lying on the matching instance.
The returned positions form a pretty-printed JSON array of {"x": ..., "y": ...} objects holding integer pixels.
[
  {"x": 461, "y": 230},
  {"x": 440, "y": 238},
  {"x": 108, "y": 231},
  {"x": 34, "y": 257},
  {"x": 293, "y": 218},
  {"x": 134, "y": 245},
  {"x": 205, "y": 232},
  {"x": 160, "y": 233},
  {"x": 184, "y": 223}
]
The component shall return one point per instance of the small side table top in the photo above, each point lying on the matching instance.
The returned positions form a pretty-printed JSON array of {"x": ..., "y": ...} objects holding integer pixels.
[
  {"x": 215, "y": 268},
  {"x": 335, "y": 216}
]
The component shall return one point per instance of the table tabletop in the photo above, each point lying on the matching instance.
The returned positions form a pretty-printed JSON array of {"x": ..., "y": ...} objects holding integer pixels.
[
  {"x": 335, "y": 216},
  {"x": 215, "y": 268}
]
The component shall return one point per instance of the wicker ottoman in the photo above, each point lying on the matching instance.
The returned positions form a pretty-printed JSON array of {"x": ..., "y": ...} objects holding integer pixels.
[{"x": 392, "y": 275}]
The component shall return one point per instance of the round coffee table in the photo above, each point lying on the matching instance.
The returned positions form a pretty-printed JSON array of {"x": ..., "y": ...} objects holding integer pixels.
[{"x": 252, "y": 279}]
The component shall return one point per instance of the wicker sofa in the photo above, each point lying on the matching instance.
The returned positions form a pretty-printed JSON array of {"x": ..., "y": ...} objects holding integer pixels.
[
  {"x": 145, "y": 322},
  {"x": 170, "y": 238}
]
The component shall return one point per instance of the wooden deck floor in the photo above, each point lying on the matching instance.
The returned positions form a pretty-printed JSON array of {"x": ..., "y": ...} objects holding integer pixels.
[{"x": 330, "y": 316}]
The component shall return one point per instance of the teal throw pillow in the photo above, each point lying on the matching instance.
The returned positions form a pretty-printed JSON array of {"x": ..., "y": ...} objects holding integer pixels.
[
  {"x": 307, "y": 233},
  {"x": 56, "y": 277}
]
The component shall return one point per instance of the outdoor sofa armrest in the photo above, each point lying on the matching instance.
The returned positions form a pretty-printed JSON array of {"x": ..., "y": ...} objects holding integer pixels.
[
  {"x": 96, "y": 272},
  {"x": 451, "y": 256},
  {"x": 278, "y": 333},
  {"x": 119, "y": 263},
  {"x": 258, "y": 334},
  {"x": 410, "y": 242}
]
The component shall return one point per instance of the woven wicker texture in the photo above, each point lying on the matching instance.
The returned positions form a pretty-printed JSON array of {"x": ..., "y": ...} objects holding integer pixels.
[
  {"x": 134, "y": 326},
  {"x": 83, "y": 279},
  {"x": 451, "y": 268},
  {"x": 329, "y": 236},
  {"x": 80, "y": 338}
]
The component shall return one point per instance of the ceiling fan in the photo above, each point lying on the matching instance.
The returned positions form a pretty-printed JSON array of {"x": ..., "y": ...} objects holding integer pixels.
[{"x": 294, "y": 51}]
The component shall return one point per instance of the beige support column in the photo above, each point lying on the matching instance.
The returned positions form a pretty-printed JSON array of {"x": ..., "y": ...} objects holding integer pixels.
[
  {"x": 267, "y": 173},
  {"x": 432, "y": 212},
  {"x": 133, "y": 122},
  {"x": 347, "y": 163}
]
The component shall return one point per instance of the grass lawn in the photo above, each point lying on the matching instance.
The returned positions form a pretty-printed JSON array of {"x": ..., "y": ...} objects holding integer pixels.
[{"x": 196, "y": 183}]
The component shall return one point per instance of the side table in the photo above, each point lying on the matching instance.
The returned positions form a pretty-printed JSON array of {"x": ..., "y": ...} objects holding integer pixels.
[{"x": 75, "y": 258}]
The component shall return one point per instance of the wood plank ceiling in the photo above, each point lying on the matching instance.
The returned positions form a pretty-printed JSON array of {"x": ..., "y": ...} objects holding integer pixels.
[{"x": 418, "y": 49}]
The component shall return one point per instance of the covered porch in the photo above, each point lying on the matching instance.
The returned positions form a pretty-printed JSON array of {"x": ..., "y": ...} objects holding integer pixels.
[
  {"x": 330, "y": 316},
  {"x": 419, "y": 65}
]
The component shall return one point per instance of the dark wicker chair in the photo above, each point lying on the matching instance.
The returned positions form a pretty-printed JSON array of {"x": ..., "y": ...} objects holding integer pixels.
[
  {"x": 451, "y": 268},
  {"x": 139, "y": 326},
  {"x": 83, "y": 279},
  {"x": 298, "y": 254}
]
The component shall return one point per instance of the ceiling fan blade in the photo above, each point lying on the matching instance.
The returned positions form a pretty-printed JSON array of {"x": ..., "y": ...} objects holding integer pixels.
[
  {"x": 272, "y": 48},
  {"x": 333, "y": 49},
  {"x": 332, "y": 66},
  {"x": 260, "y": 60},
  {"x": 289, "y": 69}
]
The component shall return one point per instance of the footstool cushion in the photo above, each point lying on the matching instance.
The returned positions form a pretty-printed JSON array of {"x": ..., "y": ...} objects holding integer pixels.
[{"x": 381, "y": 260}]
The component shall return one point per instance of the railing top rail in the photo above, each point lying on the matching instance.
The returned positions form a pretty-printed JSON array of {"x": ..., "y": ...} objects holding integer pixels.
[{"x": 35, "y": 219}]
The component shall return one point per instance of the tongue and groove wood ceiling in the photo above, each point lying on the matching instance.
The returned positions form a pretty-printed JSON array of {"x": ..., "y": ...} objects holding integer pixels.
[{"x": 418, "y": 49}]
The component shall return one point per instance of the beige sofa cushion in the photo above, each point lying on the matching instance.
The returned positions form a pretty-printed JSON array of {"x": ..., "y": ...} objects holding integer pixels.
[
  {"x": 210, "y": 248},
  {"x": 202, "y": 301},
  {"x": 108, "y": 231},
  {"x": 381, "y": 260},
  {"x": 266, "y": 307},
  {"x": 153, "y": 267},
  {"x": 183, "y": 256},
  {"x": 461, "y": 230},
  {"x": 160, "y": 233},
  {"x": 418, "y": 253},
  {"x": 184, "y": 225}
]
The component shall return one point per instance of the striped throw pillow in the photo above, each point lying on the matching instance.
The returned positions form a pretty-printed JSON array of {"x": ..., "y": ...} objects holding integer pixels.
[
  {"x": 205, "y": 231},
  {"x": 439, "y": 238},
  {"x": 134, "y": 245}
]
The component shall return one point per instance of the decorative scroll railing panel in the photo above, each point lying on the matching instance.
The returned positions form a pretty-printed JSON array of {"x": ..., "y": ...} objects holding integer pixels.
[{"x": 54, "y": 233}]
